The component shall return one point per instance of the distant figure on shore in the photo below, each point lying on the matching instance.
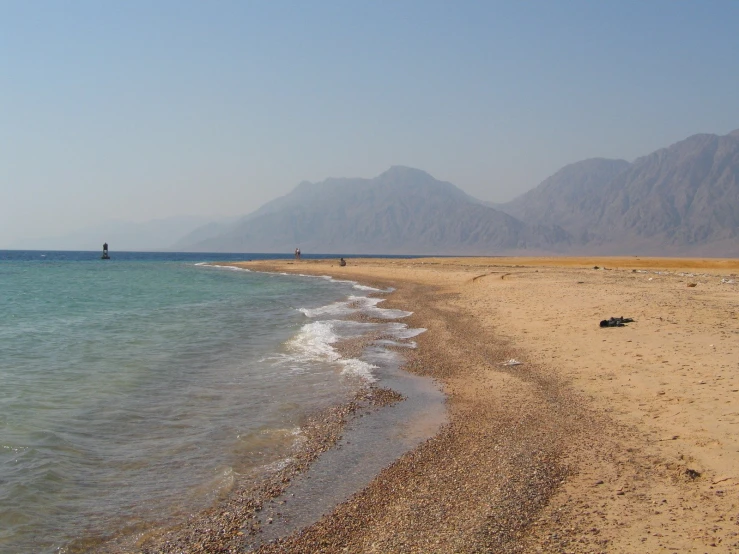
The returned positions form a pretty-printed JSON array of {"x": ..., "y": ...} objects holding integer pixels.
[
  {"x": 342, "y": 262},
  {"x": 297, "y": 253}
]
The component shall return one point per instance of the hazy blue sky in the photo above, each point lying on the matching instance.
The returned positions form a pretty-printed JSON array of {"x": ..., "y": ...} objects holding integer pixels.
[{"x": 141, "y": 110}]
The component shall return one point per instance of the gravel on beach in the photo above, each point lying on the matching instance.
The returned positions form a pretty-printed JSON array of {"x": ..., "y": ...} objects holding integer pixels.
[
  {"x": 526, "y": 463},
  {"x": 227, "y": 526},
  {"x": 479, "y": 484}
]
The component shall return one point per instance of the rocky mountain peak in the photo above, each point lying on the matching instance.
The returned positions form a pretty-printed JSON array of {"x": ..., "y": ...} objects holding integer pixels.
[{"x": 404, "y": 173}]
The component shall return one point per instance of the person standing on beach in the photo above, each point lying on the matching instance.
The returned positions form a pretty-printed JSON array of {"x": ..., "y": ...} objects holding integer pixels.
[{"x": 297, "y": 253}]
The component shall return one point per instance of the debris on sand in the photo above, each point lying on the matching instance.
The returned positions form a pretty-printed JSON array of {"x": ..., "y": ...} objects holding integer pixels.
[
  {"x": 692, "y": 473},
  {"x": 616, "y": 322}
]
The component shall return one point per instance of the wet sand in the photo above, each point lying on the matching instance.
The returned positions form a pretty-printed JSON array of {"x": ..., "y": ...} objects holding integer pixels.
[{"x": 601, "y": 440}]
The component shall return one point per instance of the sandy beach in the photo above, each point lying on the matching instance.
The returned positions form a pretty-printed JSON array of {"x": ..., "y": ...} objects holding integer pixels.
[{"x": 617, "y": 439}]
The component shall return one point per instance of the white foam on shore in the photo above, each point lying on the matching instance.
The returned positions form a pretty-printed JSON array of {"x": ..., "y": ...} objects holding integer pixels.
[
  {"x": 383, "y": 313},
  {"x": 358, "y": 367},
  {"x": 314, "y": 341},
  {"x": 357, "y": 286},
  {"x": 355, "y": 304},
  {"x": 332, "y": 280},
  {"x": 402, "y": 331},
  {"x": 354, "y": 284},
  {"x": 228, "y": 267},
  {"x": 314, "y": 344},
  {"x": 383, "y": 342},
  {"x": 336, "y": 309}
]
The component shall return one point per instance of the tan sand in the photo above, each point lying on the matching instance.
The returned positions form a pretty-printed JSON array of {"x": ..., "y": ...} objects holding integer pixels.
[{"x": 603, "y": 440}]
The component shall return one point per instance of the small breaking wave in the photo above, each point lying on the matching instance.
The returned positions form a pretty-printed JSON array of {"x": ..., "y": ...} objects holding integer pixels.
[
  {"x": 359, "y": 367},
  {"x": 357, "y": 286},
  {"x": 315, "y": 341},
  {"x": 228, "y": 267},
  {"x": 353, "y": 305},
  {"x": 402, "y": 331},
  {"x": 354, "y": 284},
  {"x": 337, "y": 309},
  {"x": 314, "y": 344}
]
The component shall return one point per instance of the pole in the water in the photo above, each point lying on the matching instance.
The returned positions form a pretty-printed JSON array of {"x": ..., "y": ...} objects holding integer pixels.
[{"x": 105, "y": 255}]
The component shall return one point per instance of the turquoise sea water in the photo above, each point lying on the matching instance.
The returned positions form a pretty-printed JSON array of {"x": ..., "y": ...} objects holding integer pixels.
[{"x": 131, "y": 390}]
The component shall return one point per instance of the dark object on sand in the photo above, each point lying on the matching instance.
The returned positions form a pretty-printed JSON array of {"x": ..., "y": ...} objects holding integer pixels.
[
  {"x": 342, "y": 262},
  {"x": 692, "y": 284},
  {"x": 105, "y": 255},
  {"x": 615, "y": 322},
  {"x": 595, "y": 267},
  {"x": 692, "y": 474}
]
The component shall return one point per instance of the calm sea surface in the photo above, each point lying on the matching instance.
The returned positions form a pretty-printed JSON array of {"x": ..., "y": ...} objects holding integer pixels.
[{"x": 132, "y": 390}]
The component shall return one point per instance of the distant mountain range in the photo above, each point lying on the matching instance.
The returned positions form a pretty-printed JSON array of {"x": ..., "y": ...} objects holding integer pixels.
[
  {"x": 680, "y": 200},
  {"x": 402, "y": 211},
  {"x": 683, "y": 199}
]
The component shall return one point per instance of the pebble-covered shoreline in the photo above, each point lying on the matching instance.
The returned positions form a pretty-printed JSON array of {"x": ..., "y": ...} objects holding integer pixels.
[
  {"x": 526, "y": 463},
  {"x": 483, "y": 480},
  {"x": 231, "y": 525},
  {"x": 476, "y": 486}
]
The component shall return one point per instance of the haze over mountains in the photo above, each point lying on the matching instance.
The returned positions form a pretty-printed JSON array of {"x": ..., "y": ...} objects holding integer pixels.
[
  {"x": 402, "y": 211},
  {"x": 683, "y": 199},
  {"x": 680, "y": 200}
]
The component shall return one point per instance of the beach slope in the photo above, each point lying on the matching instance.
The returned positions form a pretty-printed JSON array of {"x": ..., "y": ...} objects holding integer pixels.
[{"x": 617, "y": 439}]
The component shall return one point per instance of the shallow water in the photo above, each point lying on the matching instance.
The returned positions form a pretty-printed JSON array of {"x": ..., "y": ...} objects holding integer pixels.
[
  {"x": 133, "y": 390},
  {"x": 370, "y": 443}
]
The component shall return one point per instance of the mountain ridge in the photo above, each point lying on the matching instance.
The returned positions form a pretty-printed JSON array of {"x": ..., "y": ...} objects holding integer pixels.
[
  {"x": 681, "y": 199},
  {"x": 401, "y": 211}
]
